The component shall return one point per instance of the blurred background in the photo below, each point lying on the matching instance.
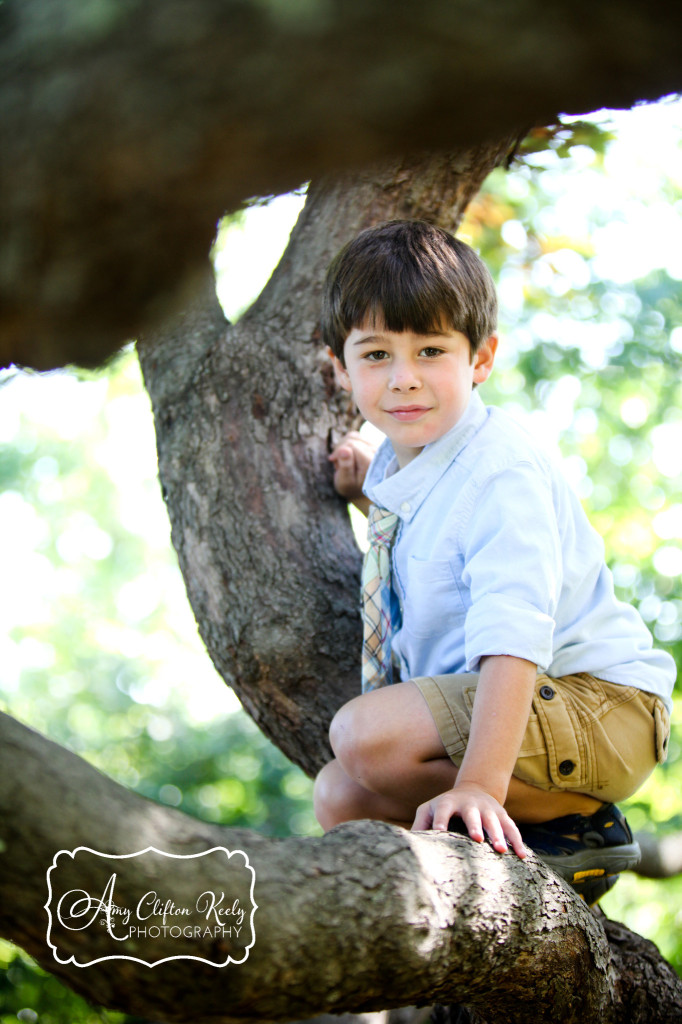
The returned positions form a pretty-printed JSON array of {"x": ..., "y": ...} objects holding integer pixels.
[{"x": 99, "y": 648}]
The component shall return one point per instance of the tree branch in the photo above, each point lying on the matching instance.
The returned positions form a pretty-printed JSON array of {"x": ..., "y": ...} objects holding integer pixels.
[
  {"x": 455, "y": 921},
  {"x": 130, "y": 128},
  {"x": 661, "y": 856}
]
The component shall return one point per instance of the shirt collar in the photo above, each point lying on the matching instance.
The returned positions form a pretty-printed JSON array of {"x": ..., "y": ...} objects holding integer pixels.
[{"x": 405, "y": 490}]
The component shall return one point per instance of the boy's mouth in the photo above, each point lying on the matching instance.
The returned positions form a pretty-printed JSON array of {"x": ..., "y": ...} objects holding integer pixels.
[{"x": 405, "y": 413}]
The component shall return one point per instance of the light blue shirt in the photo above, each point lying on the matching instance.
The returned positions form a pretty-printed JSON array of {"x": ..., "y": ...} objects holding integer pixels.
[{"x": 495, "y": 555}]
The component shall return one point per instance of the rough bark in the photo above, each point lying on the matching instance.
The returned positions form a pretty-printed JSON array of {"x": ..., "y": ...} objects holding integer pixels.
[
  {"x": 455, "y": 921},
  {"x": 244, "y": 414},
  {"x": 131, "y": 126}
]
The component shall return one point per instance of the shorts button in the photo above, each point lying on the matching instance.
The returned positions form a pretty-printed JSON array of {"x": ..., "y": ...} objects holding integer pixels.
[
  {"x": 546, "y": 692},
  {"x": 566, "y": 767}
]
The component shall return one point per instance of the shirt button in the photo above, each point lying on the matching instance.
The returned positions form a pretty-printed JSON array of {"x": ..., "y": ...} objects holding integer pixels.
[
  {"x": 566, "y": 768},
  {"x": 546, "y": 692},
  {"x": 405, "y": 506}
]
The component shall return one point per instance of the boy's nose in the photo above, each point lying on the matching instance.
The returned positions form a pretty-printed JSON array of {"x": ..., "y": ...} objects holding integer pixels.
[{"x": 403, "y": 377}]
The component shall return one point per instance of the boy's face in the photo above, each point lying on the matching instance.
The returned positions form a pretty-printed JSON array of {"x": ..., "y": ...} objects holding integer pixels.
[{"x": 413, "y": 387}]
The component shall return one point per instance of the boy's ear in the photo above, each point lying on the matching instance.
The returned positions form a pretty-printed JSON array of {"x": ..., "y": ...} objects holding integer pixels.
[
  {"x": 484, "y": 359},
  {"x": 340, "y": 371}
]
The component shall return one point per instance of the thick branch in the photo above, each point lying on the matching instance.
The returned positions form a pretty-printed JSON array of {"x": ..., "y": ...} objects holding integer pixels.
[
  {"x": 456, "y": 922},
  {"x": 131, "y": 127}
]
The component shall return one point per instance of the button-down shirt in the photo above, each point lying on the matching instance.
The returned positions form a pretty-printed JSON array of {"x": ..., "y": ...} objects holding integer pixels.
[{"x": 494, "y": 555}]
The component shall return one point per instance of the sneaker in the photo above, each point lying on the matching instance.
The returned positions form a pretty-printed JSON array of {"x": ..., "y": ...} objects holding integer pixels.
[{"x": 587, "y": 851}]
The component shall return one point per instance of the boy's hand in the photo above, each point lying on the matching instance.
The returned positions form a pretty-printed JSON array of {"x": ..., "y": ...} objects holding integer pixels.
[
  {"x": 480, "y": 812},
  {"x": 351, "y": 459}
]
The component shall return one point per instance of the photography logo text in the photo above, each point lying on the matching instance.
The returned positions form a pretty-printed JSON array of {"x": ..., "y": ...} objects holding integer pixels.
[{"x": 150, "y": 906}]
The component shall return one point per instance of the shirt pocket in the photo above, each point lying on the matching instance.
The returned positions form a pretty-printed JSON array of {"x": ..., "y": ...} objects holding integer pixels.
[{"x": 433, "y": 604}]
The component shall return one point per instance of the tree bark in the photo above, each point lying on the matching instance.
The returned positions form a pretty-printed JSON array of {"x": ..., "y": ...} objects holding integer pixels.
[
  {"x": 131, "y": 126},
  {"x": 244, "y": 415},
  {"x": 444, "y": 918}
]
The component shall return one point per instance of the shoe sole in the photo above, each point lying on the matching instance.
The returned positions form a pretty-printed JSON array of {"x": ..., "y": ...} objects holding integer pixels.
[
  {"x": 593, "y": 889},
  {"x": 577, "y": 868}
]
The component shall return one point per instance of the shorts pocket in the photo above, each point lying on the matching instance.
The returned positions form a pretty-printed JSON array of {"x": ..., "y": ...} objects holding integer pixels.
[
  {"x": 662, "y": 730},
  {"x": 568, "y": 760}
]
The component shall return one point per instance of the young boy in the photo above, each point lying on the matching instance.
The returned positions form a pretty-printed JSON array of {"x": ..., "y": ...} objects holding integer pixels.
[{"x": 526, "y": 699}]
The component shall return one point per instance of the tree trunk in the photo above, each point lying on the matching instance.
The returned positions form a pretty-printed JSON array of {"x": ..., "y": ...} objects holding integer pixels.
[
  {"x": 131, "y": 127},
  {"x": 368, "y": 917},
  {"x": 244, "y": 414}
]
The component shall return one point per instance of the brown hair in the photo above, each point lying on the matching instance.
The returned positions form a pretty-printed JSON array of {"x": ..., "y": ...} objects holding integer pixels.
[{"x": 408, "y": 276}]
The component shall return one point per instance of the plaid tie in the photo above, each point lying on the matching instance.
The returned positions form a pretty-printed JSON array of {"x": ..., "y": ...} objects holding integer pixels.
[{"x": 376, "y": 600}]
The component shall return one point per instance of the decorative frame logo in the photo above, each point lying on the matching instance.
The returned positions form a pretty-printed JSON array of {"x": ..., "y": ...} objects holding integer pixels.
[{"x": 208, "y": 918}]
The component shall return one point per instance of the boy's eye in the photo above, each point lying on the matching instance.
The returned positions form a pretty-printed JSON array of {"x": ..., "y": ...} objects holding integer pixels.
[
  {"x": 376, "y": 355},
  {"x": 430, "y": 352}
]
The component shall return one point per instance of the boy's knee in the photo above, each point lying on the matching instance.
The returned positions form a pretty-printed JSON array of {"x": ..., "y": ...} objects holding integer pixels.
[
  {"x": 333, "y": 798},
  {"x": 323, "y": 799},
  {"x": 340, "y": 729},
  {"x": 354, "y": 737}
]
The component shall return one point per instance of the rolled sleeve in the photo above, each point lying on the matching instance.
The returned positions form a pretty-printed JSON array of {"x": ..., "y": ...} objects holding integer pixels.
[
  {"x": 520, "y": 630},
  {"x": 513, "y": 567}
]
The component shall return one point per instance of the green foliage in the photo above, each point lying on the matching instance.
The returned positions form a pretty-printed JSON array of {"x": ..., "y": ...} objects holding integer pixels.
[
  {"x": 25, "y": 989},
  {"x": 562, "y": 137}
]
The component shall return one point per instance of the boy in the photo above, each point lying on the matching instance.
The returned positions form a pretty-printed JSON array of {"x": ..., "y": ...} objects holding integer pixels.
[{"x": 526, "y": 699}]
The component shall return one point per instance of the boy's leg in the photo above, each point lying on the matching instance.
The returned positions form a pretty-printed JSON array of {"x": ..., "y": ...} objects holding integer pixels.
[
  {"x": 394, "y": 750},
  {"x": 390, "y": 758},
  {"x": 586, "y": 740},
  {"x": 529, "y": 805},
  {"x": 339, "y": 798}
]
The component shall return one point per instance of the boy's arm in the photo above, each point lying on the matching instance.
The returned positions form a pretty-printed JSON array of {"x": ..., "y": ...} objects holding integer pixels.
[
  {"x": 351, "y": 459},
  {"x": 498, "y": 722}
]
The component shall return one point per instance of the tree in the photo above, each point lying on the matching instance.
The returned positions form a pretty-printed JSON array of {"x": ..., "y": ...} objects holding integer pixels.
[
  {"x": 217, "y": 405},
  {"x": 130, "y": 128},
  {"x": 282, "y": 422}
]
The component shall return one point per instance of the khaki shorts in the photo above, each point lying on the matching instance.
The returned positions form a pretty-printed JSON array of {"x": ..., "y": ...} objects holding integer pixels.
[{"x": 583, "y": 734}]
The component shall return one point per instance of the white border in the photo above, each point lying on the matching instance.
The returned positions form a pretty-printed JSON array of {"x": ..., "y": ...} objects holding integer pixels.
[{"x": 139, "y": 853}]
